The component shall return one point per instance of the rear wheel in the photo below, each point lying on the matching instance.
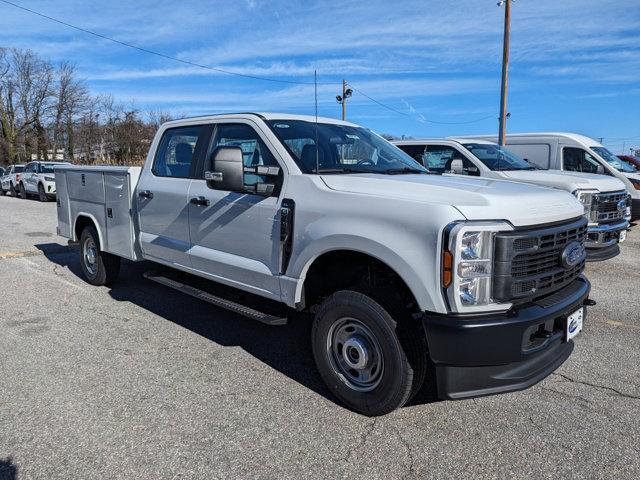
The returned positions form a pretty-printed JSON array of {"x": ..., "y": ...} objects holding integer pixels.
[
  {"x": 366, "y": 357},
  {"x": 42, "y": 195},
  {"x": 99, "y": 268},
  {"x": 23, "y": 191}
]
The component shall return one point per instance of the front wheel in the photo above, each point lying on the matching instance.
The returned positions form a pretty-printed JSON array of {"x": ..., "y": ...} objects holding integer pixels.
[
  {"x": 99, "y": 268},
  {"x": 365, "y": 356}
]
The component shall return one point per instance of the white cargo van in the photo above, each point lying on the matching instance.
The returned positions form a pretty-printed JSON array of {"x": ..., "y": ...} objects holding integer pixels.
[
  {"x": 573, "y": 152},
  {"x": 606, "y": 203}
]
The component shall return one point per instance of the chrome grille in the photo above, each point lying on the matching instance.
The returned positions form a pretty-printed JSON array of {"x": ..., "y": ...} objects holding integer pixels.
[
  {"x": 605, "y": 207},
  {"x": 528, "y": 264}
]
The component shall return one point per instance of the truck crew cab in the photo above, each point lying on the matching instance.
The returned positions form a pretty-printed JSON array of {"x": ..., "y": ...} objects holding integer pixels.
[
  {"x": 413, "y": 278},
  {"x": 607, "y": 206}
]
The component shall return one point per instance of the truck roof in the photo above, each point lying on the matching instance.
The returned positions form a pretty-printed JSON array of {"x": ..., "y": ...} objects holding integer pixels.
[
  {"x": 263, "y": 116},
  {"x": 419, "y": 141},
  {"x": 573, "y": 136}
]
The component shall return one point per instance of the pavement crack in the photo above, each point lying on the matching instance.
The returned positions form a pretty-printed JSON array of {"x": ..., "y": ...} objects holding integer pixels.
[
  {"x": 412, "y": 461},
  {"x": 602, "y": 387},
  {"x": 363, "y": 439}
]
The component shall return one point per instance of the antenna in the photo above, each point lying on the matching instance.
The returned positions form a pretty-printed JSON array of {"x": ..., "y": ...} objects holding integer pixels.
[{"x": 315, "y": 89}]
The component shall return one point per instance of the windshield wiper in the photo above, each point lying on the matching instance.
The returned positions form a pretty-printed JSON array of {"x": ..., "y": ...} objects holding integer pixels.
[
  {"x": 343, "y": 170},
  {"x": 400, "y": 171}
]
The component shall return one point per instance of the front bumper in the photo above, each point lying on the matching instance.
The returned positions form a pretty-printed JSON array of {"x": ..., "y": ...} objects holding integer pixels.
[
  {"x": 502, "y": 352},
  {"x": 602, "y": 240},
  {"x": 49, "y": 188},
  {"x": 635, "y": 209}
]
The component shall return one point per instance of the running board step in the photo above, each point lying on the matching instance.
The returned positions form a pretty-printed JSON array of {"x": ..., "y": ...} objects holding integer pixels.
[{"x": 215, "y": 300}]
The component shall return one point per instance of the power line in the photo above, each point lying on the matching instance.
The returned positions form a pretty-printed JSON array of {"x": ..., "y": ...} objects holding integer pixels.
[
  {"x": 400, "y": 112},
  {"x": 158, "y": 54},
  {"x": 224, "y": 71}
]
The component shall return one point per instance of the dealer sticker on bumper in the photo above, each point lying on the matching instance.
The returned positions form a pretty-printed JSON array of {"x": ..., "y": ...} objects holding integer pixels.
[{"x": 574, "y": 323}]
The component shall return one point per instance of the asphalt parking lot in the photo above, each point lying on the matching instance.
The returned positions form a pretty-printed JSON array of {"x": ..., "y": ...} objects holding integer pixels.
[{"x": 140, "y": 382}]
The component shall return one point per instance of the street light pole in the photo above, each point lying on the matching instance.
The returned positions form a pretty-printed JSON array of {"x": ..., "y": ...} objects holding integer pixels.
[
  {"x": 342, "y": 99},
  {"x": 505, "y": 70}
]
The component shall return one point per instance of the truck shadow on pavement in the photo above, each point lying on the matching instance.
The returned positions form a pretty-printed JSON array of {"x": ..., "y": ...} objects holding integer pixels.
[
  {"x": 8, "y": 469},
  {"x": 285, "y": 348}
]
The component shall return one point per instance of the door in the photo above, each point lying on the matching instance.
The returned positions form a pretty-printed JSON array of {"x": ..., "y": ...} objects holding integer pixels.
[
  {"x": 236, "y": 236},
  {"x": 28, "y": 177},
  {"x": 162, "y": 196}
]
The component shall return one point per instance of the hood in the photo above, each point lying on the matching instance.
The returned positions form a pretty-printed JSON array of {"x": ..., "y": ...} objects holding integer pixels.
[
  {"x": 475, "y": 198},
  {"x": 569, "y": 181}
]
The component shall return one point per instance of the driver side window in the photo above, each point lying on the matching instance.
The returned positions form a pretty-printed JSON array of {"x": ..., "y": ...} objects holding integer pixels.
[
  {"x": 254, "y": 151},
  {"x": 578, "y": 160},
  {"x": 438, "y": 158}
]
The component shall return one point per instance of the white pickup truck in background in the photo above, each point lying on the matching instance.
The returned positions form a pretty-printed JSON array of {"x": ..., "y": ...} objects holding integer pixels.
[
  {"x": 414, "y": 279},
  {"x": 607, "y": 206}
]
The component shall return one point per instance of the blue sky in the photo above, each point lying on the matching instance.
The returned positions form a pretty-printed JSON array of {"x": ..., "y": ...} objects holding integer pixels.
[{"x": 575, "y": 64}]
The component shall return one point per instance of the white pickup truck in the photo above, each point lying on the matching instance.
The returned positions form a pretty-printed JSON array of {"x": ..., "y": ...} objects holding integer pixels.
[
  {"x": 414, "y": 279},
  {"x": 607, "y": 206}
]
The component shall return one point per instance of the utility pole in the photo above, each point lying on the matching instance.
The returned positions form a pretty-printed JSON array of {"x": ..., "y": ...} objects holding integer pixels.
[
  {"x": 505, "y": 70},
  {"x": 342, "y": 99}
]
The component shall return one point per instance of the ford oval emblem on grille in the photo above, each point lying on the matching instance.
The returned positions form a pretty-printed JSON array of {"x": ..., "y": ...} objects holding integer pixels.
[
  {"x": 572, "y": 255},
  {"x": 622, "y": 206}
]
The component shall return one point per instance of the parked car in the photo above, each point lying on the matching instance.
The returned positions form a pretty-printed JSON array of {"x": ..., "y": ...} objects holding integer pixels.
[
  {"x": 39, "y": 179},
  {"x": 573, "y": 152},
  {"x": 635, "y": 161},
  {"x": 606, "y": 203},
  {"x": 403, "y": 270},
  {"x": 10, "y": 180}
]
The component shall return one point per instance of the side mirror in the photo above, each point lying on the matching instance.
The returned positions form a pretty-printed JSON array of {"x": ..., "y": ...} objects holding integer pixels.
[
  {"x": 457, "y": 166},
  {"x": 227, "y": 170},
  {"x": 600, "y": 170}
]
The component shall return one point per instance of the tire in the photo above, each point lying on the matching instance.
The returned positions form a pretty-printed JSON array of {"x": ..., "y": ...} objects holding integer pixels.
[
  {"x": 371, "y": 362},
  {"x": 99, "y": 268},
  {"x": 23, "y": 191},
  {"x": 12, "y": 190},
  {"x": 3, "y": 192},
  {"x": 42, "y": 195}
]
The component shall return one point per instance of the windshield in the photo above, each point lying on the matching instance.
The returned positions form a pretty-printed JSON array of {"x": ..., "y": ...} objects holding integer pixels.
[
  {"x": 341, "y": 149},
  {"x": 498, "y": 158},
  {"x": 614, "y": 161},
  {"x": 48, "y": 167}
]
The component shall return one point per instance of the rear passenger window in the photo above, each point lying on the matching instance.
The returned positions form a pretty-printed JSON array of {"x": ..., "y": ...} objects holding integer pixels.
[{"x": 176, "y": 151}]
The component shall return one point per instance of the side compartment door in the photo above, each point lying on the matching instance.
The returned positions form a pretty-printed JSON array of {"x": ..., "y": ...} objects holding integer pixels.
[
  {"x": 162, "y": 196},
  {"x": 236, "y": 236}
]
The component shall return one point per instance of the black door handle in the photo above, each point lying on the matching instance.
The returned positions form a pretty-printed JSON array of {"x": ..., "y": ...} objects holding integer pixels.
[
  {"x": 200, "y": 201},
  {"x": 146, "y": 194}
]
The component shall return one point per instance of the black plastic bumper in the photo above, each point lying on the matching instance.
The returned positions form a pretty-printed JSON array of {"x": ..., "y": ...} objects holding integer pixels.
[
  {"x": 635, "y": 209},
  {"x": 497, "y": 353},
  {"x": 603, "y": 253}
]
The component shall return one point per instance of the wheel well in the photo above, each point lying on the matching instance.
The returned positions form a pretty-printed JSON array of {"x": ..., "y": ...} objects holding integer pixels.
[
  {"x": 351, "y": 270},
  {"x": 81, "y": 223}
]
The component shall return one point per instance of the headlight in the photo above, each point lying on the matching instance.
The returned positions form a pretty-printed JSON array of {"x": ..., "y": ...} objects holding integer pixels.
[
  {"x": 585, "y": 197},
  {"x": 50, "y": 179},
  {"x": 467, "y": 264}
]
